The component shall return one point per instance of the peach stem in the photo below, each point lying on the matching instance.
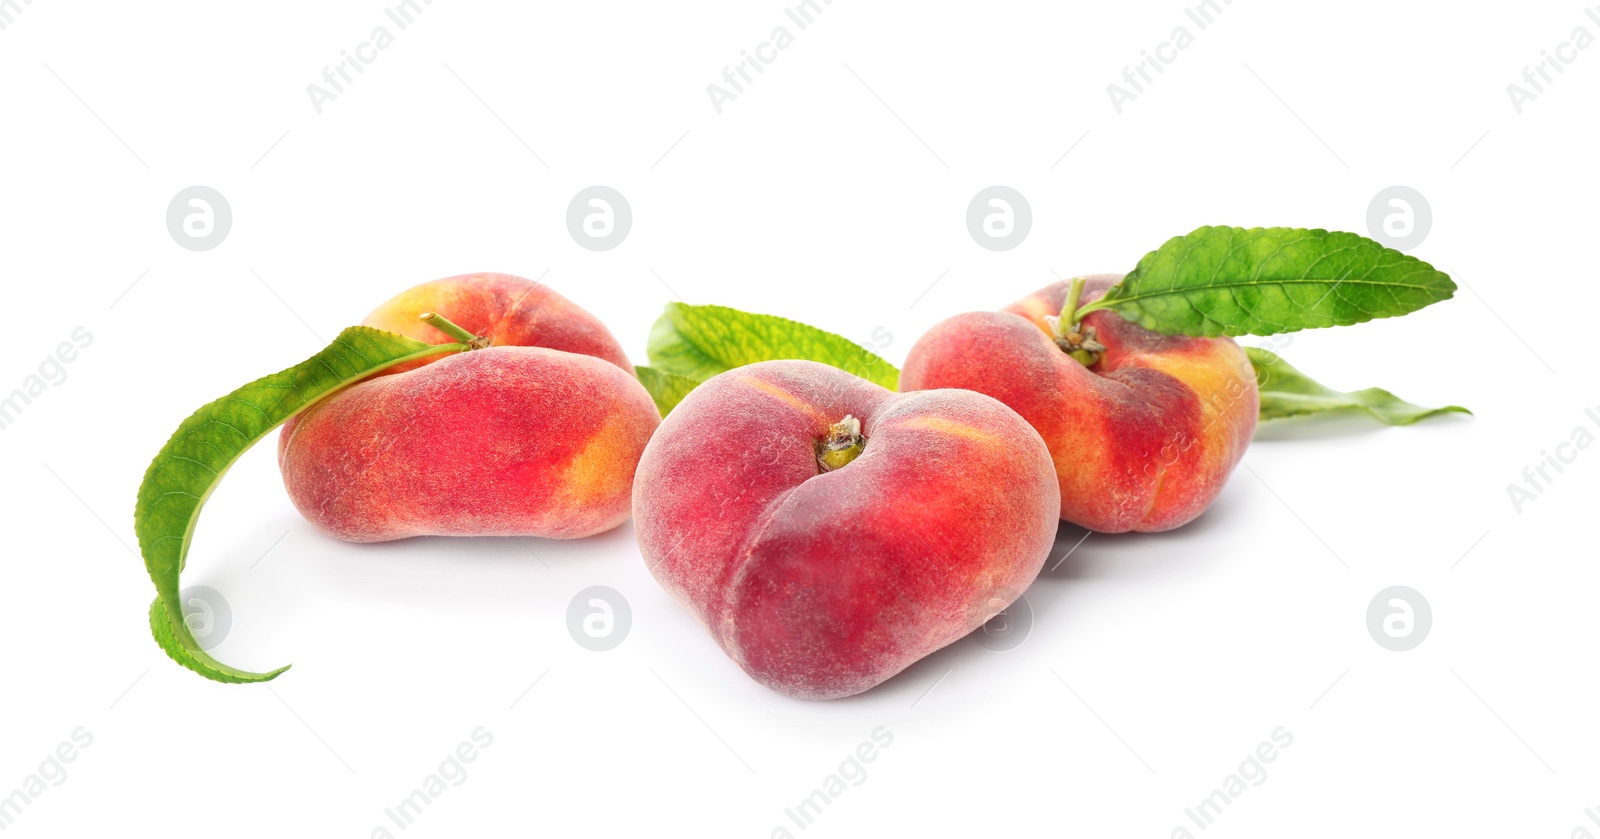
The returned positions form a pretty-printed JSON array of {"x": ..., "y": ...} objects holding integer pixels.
[
  {"x": 843, "y": 444},
  {"x": 1069, "y": 312},
  {"x": 443, "y": 324}
]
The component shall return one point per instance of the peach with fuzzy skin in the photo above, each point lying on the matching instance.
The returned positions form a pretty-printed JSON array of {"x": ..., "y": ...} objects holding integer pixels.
[
  {"x": 824, "y": 584},
  {"x": 510, "y": 311},
  {"x": 1142, "y": 440},
  {"x": 503, "y": 441}
]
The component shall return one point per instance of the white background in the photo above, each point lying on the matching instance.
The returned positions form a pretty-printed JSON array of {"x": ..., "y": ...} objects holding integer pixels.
[{"x": 832, "y": 191}]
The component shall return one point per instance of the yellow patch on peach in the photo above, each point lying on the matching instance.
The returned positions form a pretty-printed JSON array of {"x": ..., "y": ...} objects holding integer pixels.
[
  {"x": 400, "y": 313},
  {"x": 785, "y": 396},
  {"x": 1218, "y": 385},
  {"x": 948, "y": 426},
  {"x": 593, "y": 472},
  {"x": 1035, "y": 309}
]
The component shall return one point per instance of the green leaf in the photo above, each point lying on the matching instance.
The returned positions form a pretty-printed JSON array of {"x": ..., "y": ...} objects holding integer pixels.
[
  {"x": 667, "y": 389},
  {"x": 698, "y": 342},
  {"x": 193, "y": 461},
  {"x": 1267, "y": 280},
  {"x": 1287, "y": 392}
]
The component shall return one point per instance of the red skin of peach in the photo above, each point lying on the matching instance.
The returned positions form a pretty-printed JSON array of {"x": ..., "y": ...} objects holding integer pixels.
[
  {"x": 511, "y": 440},
  {"x": 509, "y": 311},
  {"x": 1144, "y": 440},
  {"x": 824, "y": 585}
]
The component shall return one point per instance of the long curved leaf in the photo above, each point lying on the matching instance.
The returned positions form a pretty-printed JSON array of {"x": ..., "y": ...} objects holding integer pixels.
[
  {"x": 1287, "y": 392},
  {"x": 193, "y": 461},
  {"x": 1267, "y": 280}
]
